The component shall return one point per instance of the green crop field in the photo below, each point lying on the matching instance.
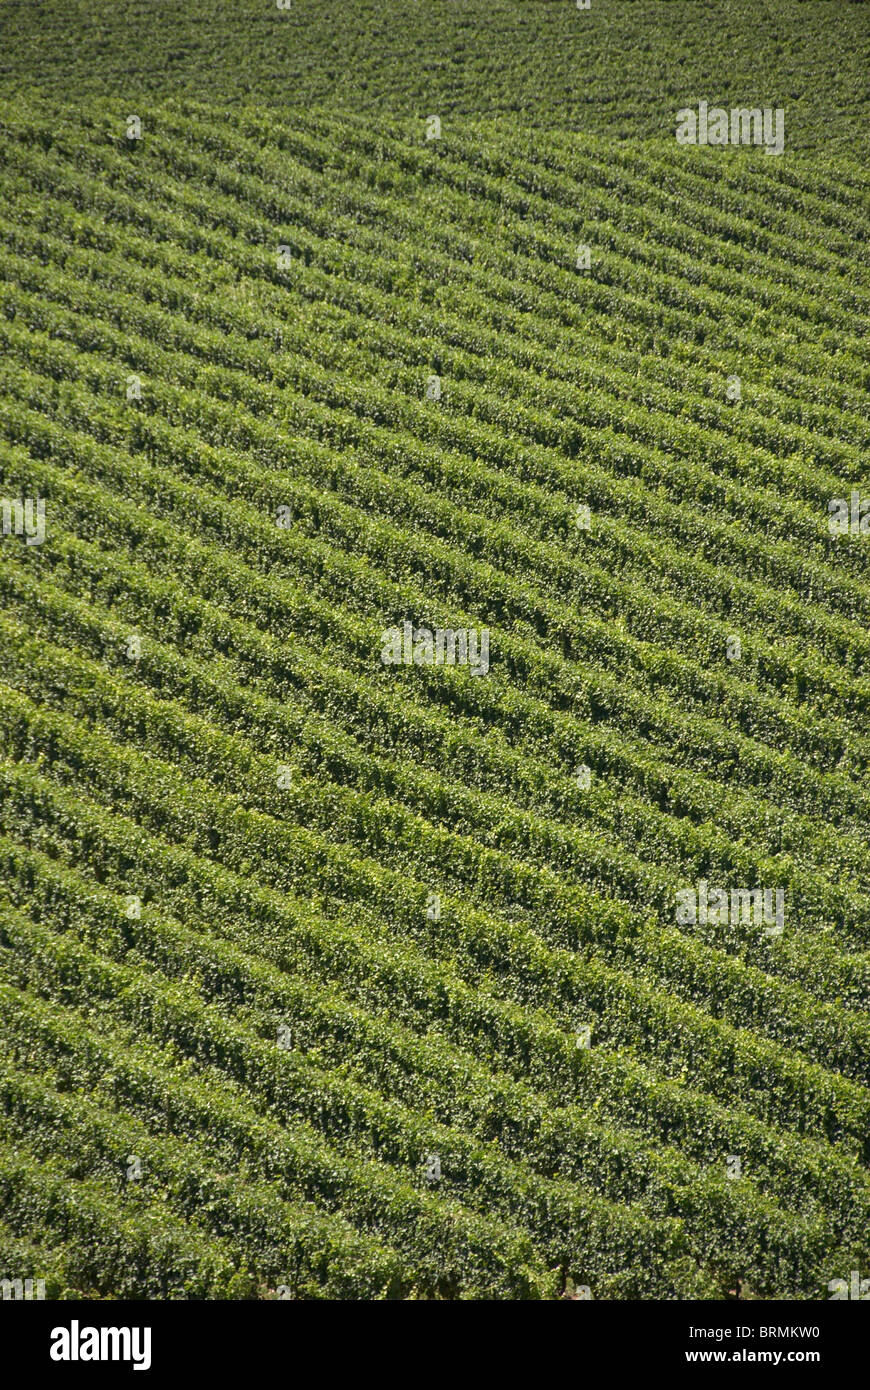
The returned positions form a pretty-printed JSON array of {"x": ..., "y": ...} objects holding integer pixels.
[
  {"x": 618, "y": 69},
  {"x": 331, "y": 967}
]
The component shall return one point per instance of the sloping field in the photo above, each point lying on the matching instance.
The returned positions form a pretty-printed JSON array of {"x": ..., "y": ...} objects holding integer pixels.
[
  {"x": 618, "y": 68},
  {"x": 342, "y": 978}
]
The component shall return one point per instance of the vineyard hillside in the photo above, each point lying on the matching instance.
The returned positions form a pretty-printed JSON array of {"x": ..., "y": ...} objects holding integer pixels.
[
  {"x": 434, "y": 695},
  {"x": 613, "y": 68}
]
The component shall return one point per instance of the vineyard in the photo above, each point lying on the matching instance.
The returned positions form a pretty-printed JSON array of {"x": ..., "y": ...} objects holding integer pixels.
[
  {"x": 614, "y": 68},
  {"x": 324, "y": 977}
]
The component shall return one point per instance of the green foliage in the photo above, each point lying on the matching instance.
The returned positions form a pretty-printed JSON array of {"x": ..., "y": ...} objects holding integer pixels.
[
  {"x": 621, "y": 69},
  {"x": 300, "y": 910}
]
